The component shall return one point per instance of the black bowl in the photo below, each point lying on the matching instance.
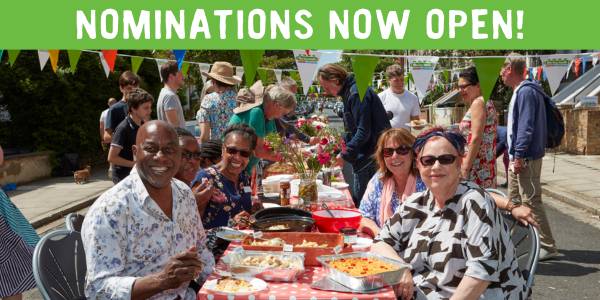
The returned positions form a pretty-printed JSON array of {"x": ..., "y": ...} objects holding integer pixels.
[
  {"x": 275, "y": 212},
  {"x": 292, "y": 224}
]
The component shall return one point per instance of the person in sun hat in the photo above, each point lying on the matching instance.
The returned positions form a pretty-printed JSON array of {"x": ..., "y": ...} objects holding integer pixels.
[{"x": 217, "y": 106}]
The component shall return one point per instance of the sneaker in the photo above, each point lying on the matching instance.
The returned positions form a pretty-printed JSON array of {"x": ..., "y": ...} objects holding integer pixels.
[{"x": 547, "y": 255}]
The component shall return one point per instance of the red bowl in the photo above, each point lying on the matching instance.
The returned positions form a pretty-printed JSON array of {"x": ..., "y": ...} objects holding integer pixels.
[{"x": 343, "y": 218}]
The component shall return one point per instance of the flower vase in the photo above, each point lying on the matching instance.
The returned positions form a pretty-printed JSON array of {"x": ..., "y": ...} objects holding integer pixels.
[{"x": 308, "y": 192}]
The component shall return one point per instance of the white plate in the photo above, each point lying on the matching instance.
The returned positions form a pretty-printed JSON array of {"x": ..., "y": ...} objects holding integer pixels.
[
  {"x": 415, "y": 126},
  {"x": 362, "y": 244},
  {"x": 223, "y": 234},
  {"x": 257, "y": 284},
  {"x": 339, "y": 185}
]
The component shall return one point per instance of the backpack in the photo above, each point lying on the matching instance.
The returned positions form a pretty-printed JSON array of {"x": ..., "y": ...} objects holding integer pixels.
[{"x": 555, "y": 125}]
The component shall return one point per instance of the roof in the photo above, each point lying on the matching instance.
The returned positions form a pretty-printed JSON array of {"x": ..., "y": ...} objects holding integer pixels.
[
  {"x": 586, "y": 85},
  {"x": 448, "y": 99}
]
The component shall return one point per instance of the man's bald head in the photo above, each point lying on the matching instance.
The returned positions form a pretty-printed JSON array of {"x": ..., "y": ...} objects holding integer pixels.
[{"x": 157, "y": 153}]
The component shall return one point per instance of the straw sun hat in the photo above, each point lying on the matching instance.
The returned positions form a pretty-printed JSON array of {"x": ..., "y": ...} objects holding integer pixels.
[
  {"x": 249, "y": 98},
  {"x": 223, "y": 71}
]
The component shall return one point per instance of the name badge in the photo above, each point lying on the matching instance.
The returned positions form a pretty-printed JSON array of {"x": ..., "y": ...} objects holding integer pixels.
[{"x": 247, "y": 189}]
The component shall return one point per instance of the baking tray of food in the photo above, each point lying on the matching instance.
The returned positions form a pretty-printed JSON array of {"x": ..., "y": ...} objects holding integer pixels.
[
  {"x": 268, "y": 265},
  {"x": 313, "y": 244},
  {"x": 362, "y": 271}
]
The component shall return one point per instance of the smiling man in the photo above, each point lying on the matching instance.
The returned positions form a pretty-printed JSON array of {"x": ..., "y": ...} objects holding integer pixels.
[{"x": 142, "y": 239}]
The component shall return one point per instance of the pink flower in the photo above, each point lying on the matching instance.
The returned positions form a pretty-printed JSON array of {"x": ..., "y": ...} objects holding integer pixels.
[
  {"x": 319, "y": 127},
  {"x": 324, "y": 141},
  {"x": 323, "y": 158},
  {"x": 300, "y": 122}
]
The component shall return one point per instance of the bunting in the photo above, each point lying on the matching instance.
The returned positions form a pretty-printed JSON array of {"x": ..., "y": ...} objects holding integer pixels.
[
  {"x": 363, "y": 67},
  {"x": 73, "y": 58},
  {"x": 307, "y": 62},
  {"x": 276, "y": 71},
  {"x": 185, "y": 68},
  {"x": 54, "y": 59},
  {"x": 136, "y": 63},
  {"x": 12, "y": 56},
  {"x": 43, "y": 56},
  {"x": 159, "y": 63},
  {"x": 105, "y": 65},
  {"x": 422, "y": 68},
  {"x": 1, "y": 52},
  {"x": 110, "y": 56},
  {"x": 488, "y": 71},
  {"x": 250, "y": 60},
  {"x": 555, "y": 67},
  {"x": 594, "y": 59},
  {"x": 239, "y": 72},
  {"x": 262, "y": 74},
  {"x": 179, "y": 55},
  {"x": 204, "y": 68}
]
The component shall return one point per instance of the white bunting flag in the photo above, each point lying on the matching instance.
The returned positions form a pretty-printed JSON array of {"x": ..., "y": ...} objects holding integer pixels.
[
  {"x": 239, "y": 72},
  {"x": 595, "y": 59},
  {"x": 105, "y": 66},
  {"x": 307, "y": 63},
  {"x": 204, "y": 68},
  {"x": 43, "y": 55},
  {"x": 555, "y": 67},
  {"x": 422, "y": 68},
  {"x": 159, "y": 63},
  {"x": 278, "y": 75}
]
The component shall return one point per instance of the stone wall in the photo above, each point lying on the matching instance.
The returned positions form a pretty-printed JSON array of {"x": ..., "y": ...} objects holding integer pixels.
[
  {"x": 25, "y": 168},
  {"x": 582, "y": 130}
]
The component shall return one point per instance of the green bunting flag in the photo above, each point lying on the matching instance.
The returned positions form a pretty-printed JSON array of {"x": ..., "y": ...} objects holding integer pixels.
[
  {"x": 250, "y": 60},
  {"x": 136, "y": 62},
  {"x": 363, "y": 67},
  {"x": 262, "y": 74},
  {"x": 488, "y": 70},
  {"x": 185, "y": 68},
  {"x": 446, "y": 76},
  {"x": 12, "y": 56},
  {"x": 73, "y": 58}
]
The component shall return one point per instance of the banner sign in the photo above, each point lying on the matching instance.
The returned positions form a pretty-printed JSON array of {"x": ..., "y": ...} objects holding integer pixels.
[
  {"x": 307, "y": 63},
  {"x": 556, "y": 66},
  {"x": 422, "y": 68}
]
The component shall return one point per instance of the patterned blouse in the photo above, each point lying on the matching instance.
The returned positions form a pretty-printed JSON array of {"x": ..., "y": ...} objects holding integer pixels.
[
  {"x": 483, "y": 171},
  {"x": 126, "y": 235},
  {"x": 216, "y": 109},
  {"x": 228, "y": 202},
  {"x": 466, "y": 237},
  {"x": 371, "y": 201}
]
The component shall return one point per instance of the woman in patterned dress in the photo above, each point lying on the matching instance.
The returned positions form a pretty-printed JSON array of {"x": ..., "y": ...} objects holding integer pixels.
[
  {"x": 452, "y": 235},
  {"x": 395, "y": 180},
  {"x": 479, "y": 128},
  {"x": 17, "y": 241}
]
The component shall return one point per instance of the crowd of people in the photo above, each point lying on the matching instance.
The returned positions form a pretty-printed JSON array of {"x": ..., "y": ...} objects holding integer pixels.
[{"x": 422, "y": 198}]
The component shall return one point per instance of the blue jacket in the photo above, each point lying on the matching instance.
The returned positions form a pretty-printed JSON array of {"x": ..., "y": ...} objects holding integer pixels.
[
  {"x": 529, "y": 133},
  {"x": 364, "y": 122}
]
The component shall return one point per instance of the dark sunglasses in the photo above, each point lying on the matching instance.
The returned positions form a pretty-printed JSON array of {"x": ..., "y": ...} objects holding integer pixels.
[
  {"x": 190, "y": 155},
  {"x": 233, "y": 151},
  {"x": 402, "y": 150},
  {"x": 445, "y": 159},
  {"x": 464, "y": 86}
]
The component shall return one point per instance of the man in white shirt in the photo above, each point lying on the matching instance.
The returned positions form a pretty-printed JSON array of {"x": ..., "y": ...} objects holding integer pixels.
[
  {"x": 168, "y": 106},
  {"x": 401, "y": 105}
]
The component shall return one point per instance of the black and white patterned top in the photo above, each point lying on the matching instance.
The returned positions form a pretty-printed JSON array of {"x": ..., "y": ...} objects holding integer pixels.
[{"x": 466, "y": 237}]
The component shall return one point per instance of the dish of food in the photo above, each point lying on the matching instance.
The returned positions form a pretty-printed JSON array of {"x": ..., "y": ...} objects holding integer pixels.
[
  {"x": 271, "y": 242},
  {"x": 231, "y": 235},
  {"x": 417, "y": 124},
  {"x": 308, "y": 244},
  {"x": 361, "y": 266},
  {"x": 279, "y": 227},
  {"x": 236, "y": 286},
  {"x": 272, "y": 261}
]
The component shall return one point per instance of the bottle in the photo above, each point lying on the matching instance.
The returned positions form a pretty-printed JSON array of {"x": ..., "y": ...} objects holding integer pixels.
[{"x": 284, "y": 192}]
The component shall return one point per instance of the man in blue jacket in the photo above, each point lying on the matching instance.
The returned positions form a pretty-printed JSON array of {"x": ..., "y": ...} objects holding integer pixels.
[
  {"x": 364, "y": 121},
  {"x": 527, "y": 135}
]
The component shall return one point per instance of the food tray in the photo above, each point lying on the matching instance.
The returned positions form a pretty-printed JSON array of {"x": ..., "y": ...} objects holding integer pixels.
[
  {"x": 363, "y": 283},
  {"x": 294, "y": 238},
  {"x": 233, "y": 261}
]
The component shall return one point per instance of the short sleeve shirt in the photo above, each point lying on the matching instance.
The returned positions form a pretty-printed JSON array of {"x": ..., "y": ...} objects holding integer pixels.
[
  {"x": 467, "y": 237},
  {"x": 216, "y": 109},
  {"x": 168, "y": 100},
  {"x": 402, "y": 106},
  {"x": 124, "y": 138},
  {"x": 115, "y": 115},
  {"x": 255, "y": 118}
]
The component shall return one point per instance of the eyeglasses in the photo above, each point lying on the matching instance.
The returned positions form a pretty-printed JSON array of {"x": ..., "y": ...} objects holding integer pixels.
[
  {"x": 402, "y": 150},
  {"x": 444, "y": 159},
  {"x": 190, "y": 155},
  {"x": 233, "y": 151},
  {"x": 464, "y": 86}
]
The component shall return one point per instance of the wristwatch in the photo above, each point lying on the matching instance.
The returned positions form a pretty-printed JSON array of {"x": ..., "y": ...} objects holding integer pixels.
[{"x": 512, "y": 205}]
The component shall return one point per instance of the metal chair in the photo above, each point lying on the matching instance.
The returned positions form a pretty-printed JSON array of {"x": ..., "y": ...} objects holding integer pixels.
[
  {"x": 59, "y": 266},
  {"x": 527, "y": 244},
  {"x": 73, "y": 222}
]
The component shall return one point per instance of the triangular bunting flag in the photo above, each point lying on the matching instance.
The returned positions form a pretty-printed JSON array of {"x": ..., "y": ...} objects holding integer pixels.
[
  {"x": 105, "y": 65},
  {"x": 179, "y": 55},
  {"x": 307, "y": 63},
  {"x": 12, "y": 56},
  {"x": 54, "y": 59},
  {"x": 594, "y": 58},
  {"x": 363, "y": 67},
  {"x": 276, "y": 71},
  {"x": 73, "y": 58},
  {"x": 204, "y": 68},
  {"x": 555, "y": 67},
  {"x": 250, "y": 60},
  {"x": 262, "y": 74},
  {"x": 328, "y": 57},
  {"x": 239, "y": 72},
  {"x": 422, "y": 67},
  {"x": 136, "y": 62},
  {"x": 446, "y": 76},
  {"x": 110, "y": 56},
  {"x": 159, "y": 63},
  {"x": 488, "y": 71},
  {"x": 43, "y": 56},
  {"x": 1, "y": 52},
  {"x": 185, "y": 68}
]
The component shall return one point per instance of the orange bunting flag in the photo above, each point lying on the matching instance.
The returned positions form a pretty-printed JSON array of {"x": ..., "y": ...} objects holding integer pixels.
[
  {"x": 54, "y": 59},
  {"x": 110, "y": 56}
]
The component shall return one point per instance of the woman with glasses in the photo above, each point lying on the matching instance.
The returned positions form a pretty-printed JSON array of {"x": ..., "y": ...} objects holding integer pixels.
[
  {"x": 395, "y": 180},
  {"x": 229, "y": 198},
  {"x": 479, "y": 129},
  {"x": 452, "y": 235}
]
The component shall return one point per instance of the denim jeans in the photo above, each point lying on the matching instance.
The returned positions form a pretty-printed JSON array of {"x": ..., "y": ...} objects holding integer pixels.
[{"x": 361, "y": 179}]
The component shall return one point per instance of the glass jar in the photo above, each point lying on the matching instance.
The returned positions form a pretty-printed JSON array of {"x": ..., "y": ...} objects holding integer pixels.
[
  {"x": 350, "y": 235},
  {"x": 284, "y": 192},
  {"x": 308, "y": 192}
]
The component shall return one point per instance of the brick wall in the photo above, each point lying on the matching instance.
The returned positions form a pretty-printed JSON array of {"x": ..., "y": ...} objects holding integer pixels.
[{"x": 582, "y": 130}]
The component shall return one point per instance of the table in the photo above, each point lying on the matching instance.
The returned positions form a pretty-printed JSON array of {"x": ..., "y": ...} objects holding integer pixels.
[{"x": 300, "y": 290}]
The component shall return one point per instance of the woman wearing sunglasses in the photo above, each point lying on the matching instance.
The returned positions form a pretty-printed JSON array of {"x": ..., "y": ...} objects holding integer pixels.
[
  {"x": 452, "y": 234},
  {"x": 395, "y": 180},
  {"x": 229, "y": 195}
]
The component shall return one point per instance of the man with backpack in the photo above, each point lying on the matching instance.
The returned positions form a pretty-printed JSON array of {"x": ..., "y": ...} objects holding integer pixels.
[{"x": 527, "y": 137}]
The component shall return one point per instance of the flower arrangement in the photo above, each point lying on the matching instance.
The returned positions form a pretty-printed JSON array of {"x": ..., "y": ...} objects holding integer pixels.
[{"x": 311, "y": 126}]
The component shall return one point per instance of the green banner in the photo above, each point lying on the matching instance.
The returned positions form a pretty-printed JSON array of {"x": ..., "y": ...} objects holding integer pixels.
[
  {"x": 250, "y": 60},
  {"x": 136, "y": 62},
  {"x": 488, "y": 70},
  {"x": 263, "y": 75},
  {"x": 73, "y": 58},
  {"x": 363, "y": 67},
  {"x": 350, "y": 24},
  {"x": 12, "y": 56}
]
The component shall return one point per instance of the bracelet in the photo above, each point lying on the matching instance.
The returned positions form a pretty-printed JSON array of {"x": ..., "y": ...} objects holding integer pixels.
[{"x": 512, "y": 206}]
